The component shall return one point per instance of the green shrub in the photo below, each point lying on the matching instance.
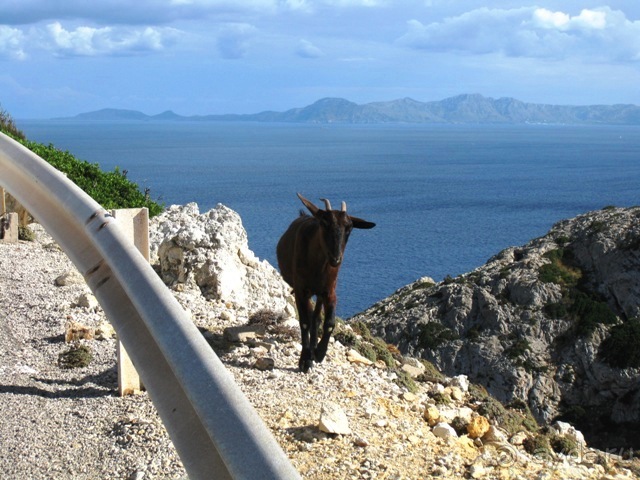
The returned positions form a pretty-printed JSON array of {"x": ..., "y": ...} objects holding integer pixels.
[
  {"x": 585, "y": 308},
  {"x": 555, "y": 310},
  {"x": 434, "y": 334},
  {"x": 361, "y": 329},
  {"x": 478, "y": 393},
  {"x": 77, "y": 356},
  {"x": 403, "y": 379},
  {"x": 441, "y": 398},
  {"x": 538, "y": 445},
  {"x": 8, "y": 126},
  {"x": 518, "y": 348},
  {"x": 564, "y": 445},
  {"x": 382, "y": 352},
  {"x": 528, "y": 421},
  {"x": 513, "y": 420},
  {"x": 431, "y": 373},
  {"x": 559, "y": 270},
  {"x": 110, "y": 189},
  {"x": 620, "y": 348},
  {"x": 590, "y": 312},
  {"x": 26, "y": 234}
]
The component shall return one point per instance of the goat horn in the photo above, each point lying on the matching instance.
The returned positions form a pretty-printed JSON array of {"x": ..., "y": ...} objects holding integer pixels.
[
  {"x": 327, "y": 204},
  {"x": 344, "y": 206}
]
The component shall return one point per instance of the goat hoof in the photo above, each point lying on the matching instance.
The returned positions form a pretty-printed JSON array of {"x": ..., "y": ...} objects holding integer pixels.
[
  {"x": 319, "y": 355},
  {"x": 305, "y": 365}
]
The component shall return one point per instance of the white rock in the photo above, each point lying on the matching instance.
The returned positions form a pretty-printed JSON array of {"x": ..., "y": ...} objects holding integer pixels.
[
  {"x": 460, "y": 381},
  {"x": 210, "y": 253},
  {"x": 567, "y": 430},
  {"x": 72, "y": 277},
  {"x": 87, "y": 300},
  {"x": 444, "y": 430},
  {"x": 333, "y": 419}
]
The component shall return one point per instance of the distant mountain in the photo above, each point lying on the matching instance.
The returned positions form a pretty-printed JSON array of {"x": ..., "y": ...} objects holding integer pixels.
[{"x": 466, "y": 108}]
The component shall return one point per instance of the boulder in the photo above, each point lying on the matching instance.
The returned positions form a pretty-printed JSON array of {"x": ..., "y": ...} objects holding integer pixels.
[{"x": 210, "y": 252}]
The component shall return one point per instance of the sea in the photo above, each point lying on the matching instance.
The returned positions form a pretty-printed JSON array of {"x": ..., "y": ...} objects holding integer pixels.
[{"x": 445, "y": 198}]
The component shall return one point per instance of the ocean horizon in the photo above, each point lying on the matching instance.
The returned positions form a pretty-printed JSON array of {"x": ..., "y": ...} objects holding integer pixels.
[{"x": 445, "y": 198}]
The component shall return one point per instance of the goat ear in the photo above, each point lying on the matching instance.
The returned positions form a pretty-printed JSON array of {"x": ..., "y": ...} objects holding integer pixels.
[
  {"x": 312, "y": 208},
  {"x": 360, "y": 223}
]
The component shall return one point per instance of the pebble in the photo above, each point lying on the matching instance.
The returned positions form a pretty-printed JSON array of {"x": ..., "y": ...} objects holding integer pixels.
[
  {"x": 444, "y": 430},
  {"x": 333, "y": 419}
]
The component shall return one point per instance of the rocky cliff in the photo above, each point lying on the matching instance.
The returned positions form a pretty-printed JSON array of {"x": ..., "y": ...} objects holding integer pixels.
[{"x": 554, "y": 323}]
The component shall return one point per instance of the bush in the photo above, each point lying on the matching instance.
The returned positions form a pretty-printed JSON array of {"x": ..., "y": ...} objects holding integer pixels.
[
  {"x": 564, "y": 445},
  {"x": 26, "y": 234},
  {"x": 434, "y": 334},
  {"x": 559, "y": 269},
  {"x": 538, "y": 446},
  {"x": 8, "y": 126},
  {"x": 110, "y": 189},
  {"x": 620, "y": 348},
  {"x": 77, "y": 356},
  {"x": 590, "y": 312},
  {"x": 513, "y": 420}
]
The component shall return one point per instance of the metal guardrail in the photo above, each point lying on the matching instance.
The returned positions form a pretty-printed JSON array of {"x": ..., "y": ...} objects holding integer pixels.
[{"x": 214, "y": 428}]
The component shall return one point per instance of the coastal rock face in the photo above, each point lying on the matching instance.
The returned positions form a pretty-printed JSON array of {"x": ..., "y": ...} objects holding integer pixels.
[
  {"x": 553, "y": 323},
  {"x": 210, "y": 253}
]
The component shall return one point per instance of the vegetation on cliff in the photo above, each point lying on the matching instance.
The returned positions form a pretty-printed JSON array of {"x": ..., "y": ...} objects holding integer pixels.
[{"x": 109, "y": 189}]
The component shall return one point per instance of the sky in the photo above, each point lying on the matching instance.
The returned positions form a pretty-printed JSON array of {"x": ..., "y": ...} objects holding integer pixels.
[{"x": 197, "y": 57}]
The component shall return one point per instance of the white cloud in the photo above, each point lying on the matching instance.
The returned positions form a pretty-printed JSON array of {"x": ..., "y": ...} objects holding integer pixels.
[
  {"x": 599, "y": 34},
  {"x": 11, "y": 43},
  {"x": 588, "y": 19},
  {"x": 233, "y": 40},
  {"x": 306, "y": 49},
  {"x": 91, "y": 41}
]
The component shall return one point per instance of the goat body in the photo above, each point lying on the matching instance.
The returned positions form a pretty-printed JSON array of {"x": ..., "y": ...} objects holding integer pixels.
[{"x": 310, "y": 254}]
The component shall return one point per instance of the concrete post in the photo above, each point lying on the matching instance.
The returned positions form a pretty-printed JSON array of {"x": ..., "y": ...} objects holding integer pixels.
[
  {"x": 9, "y": 226},
  {"x": 134, "y": 222}
]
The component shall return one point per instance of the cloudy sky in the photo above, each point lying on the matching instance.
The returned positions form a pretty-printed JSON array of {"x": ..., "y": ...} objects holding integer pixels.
[{"x": 63, "y": 57}]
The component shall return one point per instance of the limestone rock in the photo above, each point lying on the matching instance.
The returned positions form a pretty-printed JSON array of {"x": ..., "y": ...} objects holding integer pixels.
[
  {"x": 566, "y": 430},
  {"x": 444, "y": 430},
  {"x": 210, "y": 252},
  {"x": 244, "y": 333},
  {"x": 71, "y": 277},
  {"x": 333, "y": 419},
  {"x": 88, "y": 301},
  {"x": 478, "y": 426},
  {"x": 104, "y": 331},
  {"x": 355, "y": 357},
  {"x": 264, "y": 363},
  {"x": 431, "y": 415}
]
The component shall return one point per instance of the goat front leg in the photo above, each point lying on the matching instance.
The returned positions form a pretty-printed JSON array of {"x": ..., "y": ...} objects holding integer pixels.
[
  {"x": 327, "y": 328},
  {"x": 303, "y": 303},
  {"x": 315, "y": 323}
]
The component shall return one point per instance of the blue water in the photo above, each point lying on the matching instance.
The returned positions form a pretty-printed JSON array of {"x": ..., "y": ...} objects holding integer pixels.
[{"x": 445, "y": 198}]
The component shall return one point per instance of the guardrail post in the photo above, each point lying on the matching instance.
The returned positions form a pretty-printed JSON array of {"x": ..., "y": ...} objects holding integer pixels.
[
  {"x": 9, "y": 227},
  {"x": 134, "y": 223}
]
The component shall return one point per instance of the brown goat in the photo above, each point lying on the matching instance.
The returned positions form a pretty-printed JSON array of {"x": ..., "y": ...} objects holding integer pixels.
[{"x": 310, "y": 255}]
